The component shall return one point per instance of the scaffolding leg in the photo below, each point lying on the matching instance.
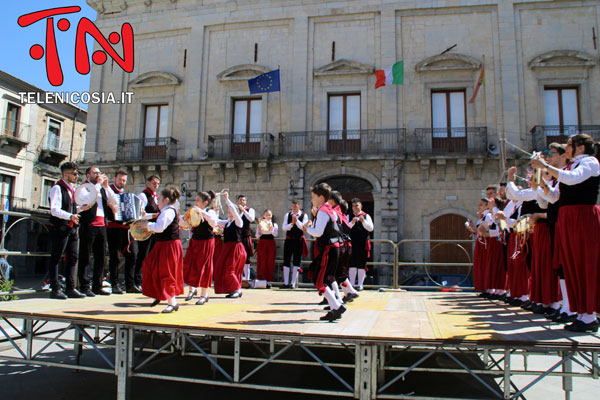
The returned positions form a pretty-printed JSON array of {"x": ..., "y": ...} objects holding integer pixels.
[
  {"x": 365, "y": 376},
  {"x": 507, "y": 373},
  {"x": 77, "y": 347},
  {"x": 236, "y": 360},
  {"x": 381, "y": 366},
  {"x": 567, "y": 378},
  {"x": 122, "y": 364},
  {"x": 214, "y": 350},
  {"x": 29, "y": 336}
]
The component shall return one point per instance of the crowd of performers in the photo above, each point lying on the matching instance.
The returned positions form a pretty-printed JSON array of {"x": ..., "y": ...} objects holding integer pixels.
[
  {"x": 219, "y": 250},
  {"x": 538, "y": 245}
]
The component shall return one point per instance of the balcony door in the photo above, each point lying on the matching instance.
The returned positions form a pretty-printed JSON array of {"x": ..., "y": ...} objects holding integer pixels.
[
  {"x": 562, "y": 113},
  {"x": 247, "y": 126},
  {"x": 449, "y": 121},
  {"x": 53, "y": 134},
  {"x": 156, "y": 126},
  {"x": 343, "y": 124},
  {"x": 11, "y": 125}
]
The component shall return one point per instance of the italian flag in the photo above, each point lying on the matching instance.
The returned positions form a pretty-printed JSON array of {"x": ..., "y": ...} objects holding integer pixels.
[{"x": 393, "y": 75}]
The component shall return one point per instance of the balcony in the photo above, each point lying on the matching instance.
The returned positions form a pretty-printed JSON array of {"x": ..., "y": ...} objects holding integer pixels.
[
  {"x": 254, "y": 145},
  {"x": 147, "y": 149},
  {"x": 14, "y": 135},
  {"x": 364, "y": 141},
  {"x": 543, "y": 135},
  {"x": 447, "y": 140},
  {"x": 14, "y": 203},
  {"x": 53, "y": 152}
]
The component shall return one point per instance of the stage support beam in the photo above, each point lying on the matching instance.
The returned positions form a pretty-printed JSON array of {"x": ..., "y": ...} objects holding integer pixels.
[
  {"x": 365, "y": 377},
  {"x": 567, "y": 380},
  {"x": 123, "y": 357}
]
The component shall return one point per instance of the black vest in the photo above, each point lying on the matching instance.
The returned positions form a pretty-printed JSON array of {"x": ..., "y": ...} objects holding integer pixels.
[
  {"x": 267, "y": 237},
  {"x": 232, "y": 233},
  {"x": 88, "y": 216},
  {"x": 585, "y": 192},
  {"x": 246, "y": 228},
  {"x": 171, "y": 232},
  {"x": 203, "y": 231},
  {"x": 151, "y": 206},
  {"x": 358, "y": 233},
  {"x": 332, "y": 233},
  {"x": 66, "y": 205},
  {"x": 295, "y": 232},
  {"x": 552, "y": 212}
]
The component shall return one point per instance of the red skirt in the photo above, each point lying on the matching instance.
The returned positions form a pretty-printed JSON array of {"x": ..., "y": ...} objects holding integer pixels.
[
  {"x": 162, "y": 270},
  {"x": 544, "y": 278},
  {"x": 479, "y": 264},
  {"x": 198, "y": 263},
  {"x": 578, "y": 244},
  {"x": 265, "y": 259},
  {"x": 218, "y": 248},
  {"x": 495, "y": 276},
  {"x": 229, "y": 267},
  {"x": 517, "y": 271}
]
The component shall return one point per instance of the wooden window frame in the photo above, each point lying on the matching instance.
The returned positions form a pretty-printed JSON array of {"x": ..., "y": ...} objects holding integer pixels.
[
  {"x": 450, "y": 143},
  {"x": 157, "y": 118},
  {"x": 9, "y": 107},
  {"x": 248, "y": 145},
  {"x": 559, "y": 89},
  {"x": 448, "y": 115}
]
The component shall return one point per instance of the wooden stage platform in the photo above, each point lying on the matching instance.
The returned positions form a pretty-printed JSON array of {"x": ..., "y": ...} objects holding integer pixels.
[
  {"x": 383, "y": 339},
  {"x": 380, "y": 316}
]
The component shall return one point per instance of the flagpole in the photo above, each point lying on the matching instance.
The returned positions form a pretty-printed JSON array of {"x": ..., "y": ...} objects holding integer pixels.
[{"x": 484, "y": 96}]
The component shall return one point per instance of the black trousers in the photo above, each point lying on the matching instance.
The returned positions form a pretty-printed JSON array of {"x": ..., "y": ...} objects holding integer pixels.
[
  {"x": 292, "y": 251},
  {"x": 247, "y": 242},
  {"x": 359, "y": 255},
  {"x": 345, "y": 255},
  {"x": 118, "y": 239},
  {"x": 329, "y": 274},
  {"x": 92, "y": 238},
  {"x": 144, "y": 248},
  {"x": 64, "y": 240}
]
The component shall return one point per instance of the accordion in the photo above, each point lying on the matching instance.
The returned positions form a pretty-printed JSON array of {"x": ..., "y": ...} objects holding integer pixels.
[{"x": 130, "y": 208}]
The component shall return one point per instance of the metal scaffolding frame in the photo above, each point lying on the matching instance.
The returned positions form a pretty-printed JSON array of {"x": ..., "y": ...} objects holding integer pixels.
[{"x": 235, "y": 357}]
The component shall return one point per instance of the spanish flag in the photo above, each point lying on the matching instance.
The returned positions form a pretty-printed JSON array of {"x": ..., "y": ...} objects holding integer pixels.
[{"x": 480, "y": 81}]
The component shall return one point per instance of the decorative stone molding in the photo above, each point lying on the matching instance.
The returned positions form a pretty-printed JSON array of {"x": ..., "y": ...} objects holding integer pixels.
[
  {"x": 220, "y": 171},
  {"x": 563, "y": 58},
  {"x": 424, "y": 170},
  {"x": 190, "y": 177},
  {"x": 343, "y": 67},
  {"x": 296, "y": 174},
  {"x": 389, "y": 221},
  {"x": 266, "y": 171},
  {"x": 251, "y": 172},
  {"x": 234, "y": 173},
  {"x": 448, "y": 62},
  {"x": 155, "y": 78},
  {"x": 477, "y": 168},
  {"x": 241, "y": 72},
  {"x": 461, "y": 169},
  {"x": 441, "y": 169}
]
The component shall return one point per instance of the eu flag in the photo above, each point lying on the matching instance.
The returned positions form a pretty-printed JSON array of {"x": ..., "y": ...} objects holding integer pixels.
[{"x": 267, "y": 82}]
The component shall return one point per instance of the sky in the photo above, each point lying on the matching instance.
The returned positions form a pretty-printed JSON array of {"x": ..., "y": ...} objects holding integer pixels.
[{"x": 16, "y": 41}]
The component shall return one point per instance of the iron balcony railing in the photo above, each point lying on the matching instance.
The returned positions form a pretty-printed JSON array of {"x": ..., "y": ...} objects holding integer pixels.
[
  {"x": 14, "y": 203},
  {"x": 15, "y": 129},
  {"x": 54, "y": 143},
  {"x": 161, "y": 148},
  {"x": 447, "y": 140},
  {"x": 543, "y": 135},
  {"x": 363, "y": 141},
  {"x": 254, "y": 145}
]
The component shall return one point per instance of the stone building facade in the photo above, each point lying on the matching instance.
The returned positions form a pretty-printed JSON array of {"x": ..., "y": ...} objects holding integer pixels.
[
  {"x": 34, "y": 140},
  {"x": 418, "y": 154}
]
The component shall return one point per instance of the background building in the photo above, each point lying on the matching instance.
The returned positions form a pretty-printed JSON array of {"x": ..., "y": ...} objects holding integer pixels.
[
  {"x": 417, "y": 154},
  {"x": 34, "y": 140}
]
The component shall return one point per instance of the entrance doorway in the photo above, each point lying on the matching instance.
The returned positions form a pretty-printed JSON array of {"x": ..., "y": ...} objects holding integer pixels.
[
  {"x": 351, "y": 187},
  {"x": 449, "y": 227}
]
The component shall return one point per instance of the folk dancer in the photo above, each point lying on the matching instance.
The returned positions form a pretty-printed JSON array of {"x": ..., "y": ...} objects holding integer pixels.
[
  {"x": 229, "y": 266},
  {"x": 495, "y": 275},
  {"x": 578, "y": 229},
  {"x": 248, "y": 216},
  {"x": 361, "y": 226},
  {"x": 266, "y": 232},
  {"x": 93, "y": 235},
  {"x": 118, "y": 243},
  {"x": 64, "y": 222},
  {"x": 549, "y": 191},
  {"x": 149, "y": 198},
  {"x": 326, "y": 230},
  {"x": 294, "y": 246},
  {"x": 198, "y": 260},
  {"x": 480, "y": 248},
  {"x": 162, "y": 269}
]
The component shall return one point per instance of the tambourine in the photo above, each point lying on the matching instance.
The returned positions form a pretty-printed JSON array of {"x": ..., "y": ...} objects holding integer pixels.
[
  {"x": 265, "y": 225},
  {"x": 86, "y": 194},
  {"x": 183, "y": 224},
  {"x": 139, "y": 232},
  {"x": 193, "y": 217},
  {"x": 218, "y": 230},
  {"x": 524, "y": 225}
]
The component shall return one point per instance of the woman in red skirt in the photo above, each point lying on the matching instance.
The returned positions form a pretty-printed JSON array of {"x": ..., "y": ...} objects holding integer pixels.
[
  {"x": 479, "y": 253},
  {"x": 198, "y": 260},
  {"x": 578, "y": 229},
  {"x": 162, "y": 270},
  {"x": 265, "y": 255},
  {"x": 229, "y": 266},
  {"x": 495, "y": 274}
]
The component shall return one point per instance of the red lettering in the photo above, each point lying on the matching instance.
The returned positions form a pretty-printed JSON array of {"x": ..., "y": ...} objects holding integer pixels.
[{"x": 82, "y": 59}]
